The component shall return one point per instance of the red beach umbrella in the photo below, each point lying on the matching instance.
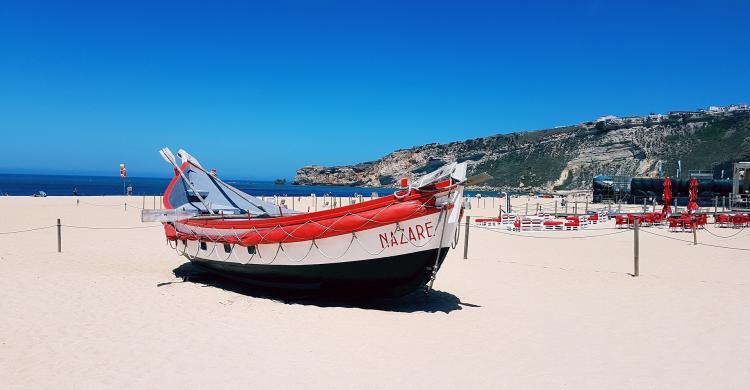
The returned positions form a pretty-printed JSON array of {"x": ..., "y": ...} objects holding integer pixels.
[
  {"x": 667, "y": 196},
  {"x": 693, "y": 189}
]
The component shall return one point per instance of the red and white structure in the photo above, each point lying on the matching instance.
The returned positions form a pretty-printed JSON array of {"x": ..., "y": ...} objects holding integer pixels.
[{"x": 386, "y": 246}]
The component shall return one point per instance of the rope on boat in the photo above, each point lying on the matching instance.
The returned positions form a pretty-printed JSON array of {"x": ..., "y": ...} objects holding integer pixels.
[
  {"x": 302, "y": 258},
  {"x": 336, "y": 257},
  {"x": 362, "y": 246},
  {"x": 442, "y": 218},
  {"x": 278, "y": 248},
  {"x": 326, "y": 228},
  {"x": 456, "y": 235}
]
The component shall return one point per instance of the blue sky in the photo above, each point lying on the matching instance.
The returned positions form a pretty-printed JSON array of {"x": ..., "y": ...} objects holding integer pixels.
[{"x": 260, "y": 89}]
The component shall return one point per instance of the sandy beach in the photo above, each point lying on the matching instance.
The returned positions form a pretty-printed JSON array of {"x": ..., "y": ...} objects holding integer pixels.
[{"x": 525, "y": 310}]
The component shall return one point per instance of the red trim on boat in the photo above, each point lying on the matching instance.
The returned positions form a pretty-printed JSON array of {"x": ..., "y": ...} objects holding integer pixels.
[
  {"x": 316, "y": 225},
  {"x": 165, "y": 197}
]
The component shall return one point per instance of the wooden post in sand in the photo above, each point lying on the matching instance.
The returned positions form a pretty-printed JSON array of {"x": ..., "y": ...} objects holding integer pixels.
[
  {"x": 695, "y": 233},
  {"x": 59, "y": 236},
  {"x": 636, "y": 270},
  {"x": 466, "y": 238}
]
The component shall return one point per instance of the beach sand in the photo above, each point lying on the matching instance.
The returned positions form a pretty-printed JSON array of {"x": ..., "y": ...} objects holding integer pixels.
[{"x": 520, "y": 312}]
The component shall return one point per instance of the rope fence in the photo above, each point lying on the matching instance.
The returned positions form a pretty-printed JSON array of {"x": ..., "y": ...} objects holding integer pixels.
[
  {"x": 601, "y": 231},
  {"x": 28, "y": 230}
]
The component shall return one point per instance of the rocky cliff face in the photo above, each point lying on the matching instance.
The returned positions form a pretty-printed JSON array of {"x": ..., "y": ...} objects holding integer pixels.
[{"x": 568, "y": 157}]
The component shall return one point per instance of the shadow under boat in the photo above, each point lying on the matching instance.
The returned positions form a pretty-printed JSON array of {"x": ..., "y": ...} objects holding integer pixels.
[{"x": 438, "y": 301}]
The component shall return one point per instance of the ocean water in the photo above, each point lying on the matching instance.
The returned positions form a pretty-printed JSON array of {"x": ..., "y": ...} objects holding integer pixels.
[
  {"x": 12, "y": 184},
  {"x": 57, "y": 185}
]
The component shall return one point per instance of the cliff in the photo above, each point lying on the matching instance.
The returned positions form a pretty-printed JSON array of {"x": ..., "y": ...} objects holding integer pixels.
[{"x": 566, "y": 158}]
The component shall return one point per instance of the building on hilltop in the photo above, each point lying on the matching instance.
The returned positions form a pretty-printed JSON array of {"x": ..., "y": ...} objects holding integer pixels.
[{"x": 606, "y": 118}]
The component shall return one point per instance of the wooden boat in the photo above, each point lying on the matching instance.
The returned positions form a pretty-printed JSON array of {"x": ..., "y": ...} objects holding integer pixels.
[{"x": 387, "y": 246}]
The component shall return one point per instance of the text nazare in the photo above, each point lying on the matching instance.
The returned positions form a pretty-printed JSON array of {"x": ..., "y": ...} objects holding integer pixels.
[{"x": 405, "y": 235}]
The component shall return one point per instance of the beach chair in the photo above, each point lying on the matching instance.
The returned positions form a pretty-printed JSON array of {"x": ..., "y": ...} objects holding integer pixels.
[
  {"x": 674, "y": 224},
  {"x": 553, "y": 225},
  {"x": 700, "y": 221},
  {"x": 722, "y": 220},
  {"x": 621, "y": 222},
  {"x": 583, "y": 222},
  {"x": 572, "y": 225},
  {"x": 525, "y": 225}
]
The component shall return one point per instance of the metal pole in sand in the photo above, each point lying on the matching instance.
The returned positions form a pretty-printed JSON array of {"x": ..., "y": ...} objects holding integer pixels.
[
  {"x": 144, "y": 202},
  {"x": 466, "y": 238},
  {"x": 527, "y": 208},
  {"x": 723, "y": 203},
  {"x": 636, "y": 260},
  {"x": 126, "y": 205},
  {"x": 555, "y": 208},
  {"x": 716, "y": 204},
  {"x": 59, "y": 236},
  {"x": 587, "y": 206},
  {"x": 292, "y": 203}
]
